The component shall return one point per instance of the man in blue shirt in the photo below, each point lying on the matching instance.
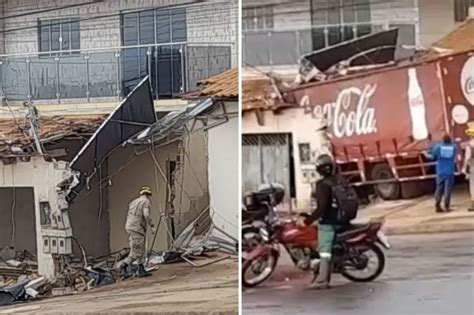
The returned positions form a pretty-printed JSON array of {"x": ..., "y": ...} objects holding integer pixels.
[{"x": 444, "y": 153}]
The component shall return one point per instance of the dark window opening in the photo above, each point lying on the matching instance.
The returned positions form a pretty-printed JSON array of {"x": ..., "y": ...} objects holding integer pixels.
[
  {"x": 59, "y": 36},
  {"x": 166, "y": 33}
]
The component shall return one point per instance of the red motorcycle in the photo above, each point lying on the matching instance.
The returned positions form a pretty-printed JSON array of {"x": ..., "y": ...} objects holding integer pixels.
[{"x": 356, "y": 252}]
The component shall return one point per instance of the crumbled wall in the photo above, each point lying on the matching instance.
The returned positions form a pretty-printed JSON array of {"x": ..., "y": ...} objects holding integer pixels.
[{"x": 130, "y": 172}]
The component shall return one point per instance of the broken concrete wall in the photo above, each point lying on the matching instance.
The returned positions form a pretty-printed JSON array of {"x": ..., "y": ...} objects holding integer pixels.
[
  {"x": 89, "y": 212},
  {"x": 17, "y": 223},
  {"x": 130, "y": 171},
  {"x": 192, "y": 185},
  {"x": 42, "y": 176}
]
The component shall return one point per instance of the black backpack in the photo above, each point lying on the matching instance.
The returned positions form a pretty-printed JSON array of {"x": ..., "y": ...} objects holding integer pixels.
[{"x": 345, "y": 200}]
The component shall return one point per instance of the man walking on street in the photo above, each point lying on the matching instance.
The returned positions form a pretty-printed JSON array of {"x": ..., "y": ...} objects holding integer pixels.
[
  {"x": 468, "y": 167},
  {"x": 444, "y": 153},
  {"x": 138, "y": 220}
]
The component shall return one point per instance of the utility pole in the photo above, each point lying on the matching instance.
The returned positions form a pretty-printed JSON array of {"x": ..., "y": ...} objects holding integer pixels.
[{"x": 32, "y": 117}]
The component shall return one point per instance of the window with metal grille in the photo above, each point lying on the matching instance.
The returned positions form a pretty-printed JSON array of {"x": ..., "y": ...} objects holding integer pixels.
[
  {"x": 59, "y": 36},
  {"x": 335, "y": 21},
  {"x": 257, "y": 18}
]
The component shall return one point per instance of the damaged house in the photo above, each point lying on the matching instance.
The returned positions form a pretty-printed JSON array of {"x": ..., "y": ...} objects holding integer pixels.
[{"x": 75, "y": 194}]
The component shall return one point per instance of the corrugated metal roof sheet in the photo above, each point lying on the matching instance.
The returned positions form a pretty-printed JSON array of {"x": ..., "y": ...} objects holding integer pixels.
[{"x": 224, "y": 85}]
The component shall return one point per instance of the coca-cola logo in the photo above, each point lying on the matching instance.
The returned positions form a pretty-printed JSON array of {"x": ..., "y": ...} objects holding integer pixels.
[
  {"x": 467, "y": 80},
  {"x": 350, "y": 114}
]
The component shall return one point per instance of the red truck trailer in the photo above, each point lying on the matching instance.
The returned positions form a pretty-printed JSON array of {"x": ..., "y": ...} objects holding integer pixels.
[{"x": 382, "y": 122}]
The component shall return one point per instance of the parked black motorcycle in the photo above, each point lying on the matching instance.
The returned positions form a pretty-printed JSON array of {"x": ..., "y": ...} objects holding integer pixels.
[{"x": 259, "y": 211}]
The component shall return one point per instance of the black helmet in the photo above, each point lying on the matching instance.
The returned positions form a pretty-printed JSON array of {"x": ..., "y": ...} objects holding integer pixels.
[{"x": 325, "y": 165}]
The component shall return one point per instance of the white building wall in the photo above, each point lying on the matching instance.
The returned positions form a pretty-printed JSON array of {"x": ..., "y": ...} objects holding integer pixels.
[
  {"x": 223, "y": 151},
  {"x": 303, "y": 128},
  {"x": 436, "y": 20},
  {"x": 42, "y": 176}
]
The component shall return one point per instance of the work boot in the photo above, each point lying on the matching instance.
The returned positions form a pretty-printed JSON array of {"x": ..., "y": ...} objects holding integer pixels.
[
  {"x": 142, "y": 271},
  {"x": 322, "y": 280},
  {"x": 439, "y": 209}
]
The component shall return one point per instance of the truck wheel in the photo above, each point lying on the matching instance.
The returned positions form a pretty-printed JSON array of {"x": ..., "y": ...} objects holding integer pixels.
[
  {"x": 411, "y": 190},
  {"x": 386, "y": 191}
]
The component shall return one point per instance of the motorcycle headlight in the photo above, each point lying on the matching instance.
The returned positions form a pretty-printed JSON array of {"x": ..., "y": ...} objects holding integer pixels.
[{"x": 264, "y": 234}]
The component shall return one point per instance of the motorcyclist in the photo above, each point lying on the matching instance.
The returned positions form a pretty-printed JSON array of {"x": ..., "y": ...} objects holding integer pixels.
[{"x": 325, "y": 211}]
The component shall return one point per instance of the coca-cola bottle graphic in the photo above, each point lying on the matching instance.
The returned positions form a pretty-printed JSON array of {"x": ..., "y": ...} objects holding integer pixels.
[{"x": 417, "y": 107}]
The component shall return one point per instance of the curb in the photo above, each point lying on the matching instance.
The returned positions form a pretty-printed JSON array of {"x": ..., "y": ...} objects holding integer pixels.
[{"x": 431, "y": 227}]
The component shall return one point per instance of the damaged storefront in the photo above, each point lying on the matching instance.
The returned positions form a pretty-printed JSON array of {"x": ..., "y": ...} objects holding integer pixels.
[{"x": 78, "y": 195}]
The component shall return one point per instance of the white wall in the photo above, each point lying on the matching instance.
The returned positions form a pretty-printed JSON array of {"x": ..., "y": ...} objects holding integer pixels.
[
  {"x": 42, "y": 176},
  {"x": 436, "y": 20},
  {"x": 223, "y": 151},
  {"x": 303, "y": 130}
]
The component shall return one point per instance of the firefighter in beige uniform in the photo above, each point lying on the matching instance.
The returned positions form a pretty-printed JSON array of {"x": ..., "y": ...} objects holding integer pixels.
[
  {"x": 138, "y": 219},
  {"x": 468, "y": 167}
]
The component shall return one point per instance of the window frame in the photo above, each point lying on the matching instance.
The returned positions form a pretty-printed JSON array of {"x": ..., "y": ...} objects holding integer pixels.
[
  {"x": 325, "y": 28},
  {"x": 267, "y": 19},
  {"x": 48, "y": 23},
  {"x": 176, "y": 35}
]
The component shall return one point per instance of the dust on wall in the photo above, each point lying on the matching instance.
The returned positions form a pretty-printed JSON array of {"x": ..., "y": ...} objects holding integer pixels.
[{"x": 129, "y": 171}]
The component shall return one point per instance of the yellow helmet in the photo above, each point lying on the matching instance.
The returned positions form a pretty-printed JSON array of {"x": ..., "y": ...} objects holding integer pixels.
[
  {"x": 145, "y": 190},
  {"x": 470, "y": 129}
]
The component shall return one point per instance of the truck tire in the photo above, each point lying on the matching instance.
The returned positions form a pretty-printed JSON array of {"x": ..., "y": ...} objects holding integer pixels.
[{"x": 386, "y": 191}]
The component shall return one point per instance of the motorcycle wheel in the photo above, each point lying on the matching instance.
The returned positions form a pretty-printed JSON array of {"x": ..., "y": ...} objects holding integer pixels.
[
  {"x": 247, "y": 265},
  {"x": 250, "y": 238},
  {"x": 372, "y": 276}
]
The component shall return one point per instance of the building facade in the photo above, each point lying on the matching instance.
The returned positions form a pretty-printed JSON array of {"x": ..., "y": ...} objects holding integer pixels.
[
  {"x": 277, "y": 33},
  {"x": 85, "y": 55}
]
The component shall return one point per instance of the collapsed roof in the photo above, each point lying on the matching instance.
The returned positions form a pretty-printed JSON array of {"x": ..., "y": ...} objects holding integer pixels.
[
  {"x": 135, "y": 113},
  {"x": 375, "y": 48},
  {"x": 224, "y": 86},
  {"x": 15, "y": 138}
]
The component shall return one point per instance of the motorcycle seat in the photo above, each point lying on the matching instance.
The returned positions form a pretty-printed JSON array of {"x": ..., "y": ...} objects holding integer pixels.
[{"x": 352, "y": 231}]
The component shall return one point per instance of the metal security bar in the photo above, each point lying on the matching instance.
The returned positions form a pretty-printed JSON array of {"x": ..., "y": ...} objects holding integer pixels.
[{"x": 265, "y": 160}]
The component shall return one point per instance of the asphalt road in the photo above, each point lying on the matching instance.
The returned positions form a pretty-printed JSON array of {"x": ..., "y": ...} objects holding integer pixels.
[{"x": 425, "y": 274}]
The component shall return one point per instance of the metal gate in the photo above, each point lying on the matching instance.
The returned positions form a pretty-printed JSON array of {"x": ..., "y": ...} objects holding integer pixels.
[{"x": 266, "y": 159}]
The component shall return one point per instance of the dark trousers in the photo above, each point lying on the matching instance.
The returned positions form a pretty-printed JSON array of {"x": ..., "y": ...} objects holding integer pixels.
[{"x": 444, "y": 188}]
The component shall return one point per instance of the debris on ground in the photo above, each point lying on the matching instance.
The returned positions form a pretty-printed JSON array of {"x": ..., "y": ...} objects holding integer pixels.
[{"x": 20, "y": 282}]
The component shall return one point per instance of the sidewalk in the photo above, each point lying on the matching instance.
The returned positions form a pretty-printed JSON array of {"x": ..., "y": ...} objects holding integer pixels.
[{"x": 419, "y": 216}]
